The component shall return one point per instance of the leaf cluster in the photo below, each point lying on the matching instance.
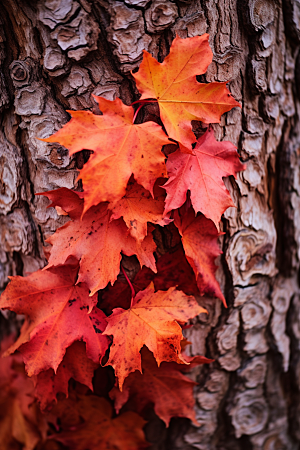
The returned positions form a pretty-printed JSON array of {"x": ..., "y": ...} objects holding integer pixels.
[{"x": 84, "y": 312}]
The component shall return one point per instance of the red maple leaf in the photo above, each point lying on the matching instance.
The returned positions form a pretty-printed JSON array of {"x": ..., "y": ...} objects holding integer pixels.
[
  {"x": 200, "y": 243},
  {"x": 165, "y": 387},
  {"x": 86, "y": 422},
  {"x": 57, "y": 314},
  {"x": 202, "y": 174},
  {"x": 75, "y": 364}
]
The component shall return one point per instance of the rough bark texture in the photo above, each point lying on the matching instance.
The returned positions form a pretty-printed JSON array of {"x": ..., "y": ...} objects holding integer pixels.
[{"x": 53, "y": 55}]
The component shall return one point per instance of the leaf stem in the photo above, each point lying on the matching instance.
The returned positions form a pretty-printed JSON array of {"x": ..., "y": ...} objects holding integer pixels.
[
  {"x": 131, "y": 287},
  {"x": 136, "y": 113}
]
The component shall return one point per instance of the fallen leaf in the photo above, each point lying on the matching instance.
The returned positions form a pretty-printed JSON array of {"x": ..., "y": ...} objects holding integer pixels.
[
  {"x": 66, "y": 199},
  {"x": 152, "y": 320},
  {"x": 75, "y": 364},
  {"x": 202, "y": 174},
  {"x": 120, "y": 148},
  {"x": 200, "y": 243},
  {"x": 165, "y": 387},
  {"x": 56, "y": 311},
  {"x": 87, "y": 423},
  {"x": 180, "y": 97}
]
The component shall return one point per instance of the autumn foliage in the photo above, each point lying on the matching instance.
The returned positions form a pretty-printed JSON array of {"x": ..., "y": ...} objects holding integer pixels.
[{"x": 91, "y": 324}]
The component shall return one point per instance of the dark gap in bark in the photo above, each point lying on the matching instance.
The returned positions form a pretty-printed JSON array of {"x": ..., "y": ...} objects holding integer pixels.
[
  {"x": 280, "y": 199},
  {"x": 225, "y": 431},
  {"x": 155, "y": 430},
  {"x": 229, "y": 288},
  {"x": 273, "y": 353},
  {"x": 4, "y": 326},
  {"x": 271, "y": 185},
  {"x": 38, "y": 41},
  {"x": 292, "y": 384},
  {"x": 290, "y": 30},
  {"x": 35, "y": 235},
  {"x": 245, "y": 443},
  {"x": 41, "y": 234},
  {"x": 176, "y": 431},
  {"x": 22, "y": 140},
  {"x": 205, "y": 8},
  {"x": 297, "y": 76},
  {"x": 165, "y": 42},
  {"x": 291, "y": 392},
  {"x": 18, "y": 263},
  {"x": 201, "y": 78},
  {"x": 12, "y": 49},
  {"x": 82, "y": 158}
]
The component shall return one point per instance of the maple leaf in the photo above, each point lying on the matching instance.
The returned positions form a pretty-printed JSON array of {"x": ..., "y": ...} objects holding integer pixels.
[
  {"x": 98, "y": 430},
  {"x": 152, "y": 320},
  {"x": 138, "y": 207},
  {"x": 166, "y": 387},
  {"x": 97, "y": 241},
  {"x": 200, "y": 243},
  {"x": 180, "y": 97},
  {"x": 120, "y": 147},
  {"x": 201, "y": 173},
  {"x": 68, "y": 200},
  {"x": 56, "y": 312},
  {"x": 75, "y": 364},
  {"x": 20, "y": 419}
]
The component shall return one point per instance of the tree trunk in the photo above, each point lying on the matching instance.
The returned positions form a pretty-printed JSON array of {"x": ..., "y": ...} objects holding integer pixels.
[{"x": 54, "y": 54}]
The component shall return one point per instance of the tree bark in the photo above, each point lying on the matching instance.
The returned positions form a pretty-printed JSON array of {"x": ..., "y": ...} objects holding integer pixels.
[{"x": 53, "y": 55}]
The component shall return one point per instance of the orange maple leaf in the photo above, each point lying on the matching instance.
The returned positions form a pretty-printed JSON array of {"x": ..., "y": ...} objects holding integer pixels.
[
  {"x": 166, "y": 387},
  {"x": 180, "y": 97},
  {"x": 201, "y": 173},
  {"x": 120, "y": 147},
  {"x": 86, "y": 422},
  {"x": 200, "y": 243},
  {"x": 97, "y": 241},
  {"x": 138, "y": 207},
  {"x": 56, "y": 313},
  {"x": 152, "y": 320},
  {"x": 75, "y": 364}
]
